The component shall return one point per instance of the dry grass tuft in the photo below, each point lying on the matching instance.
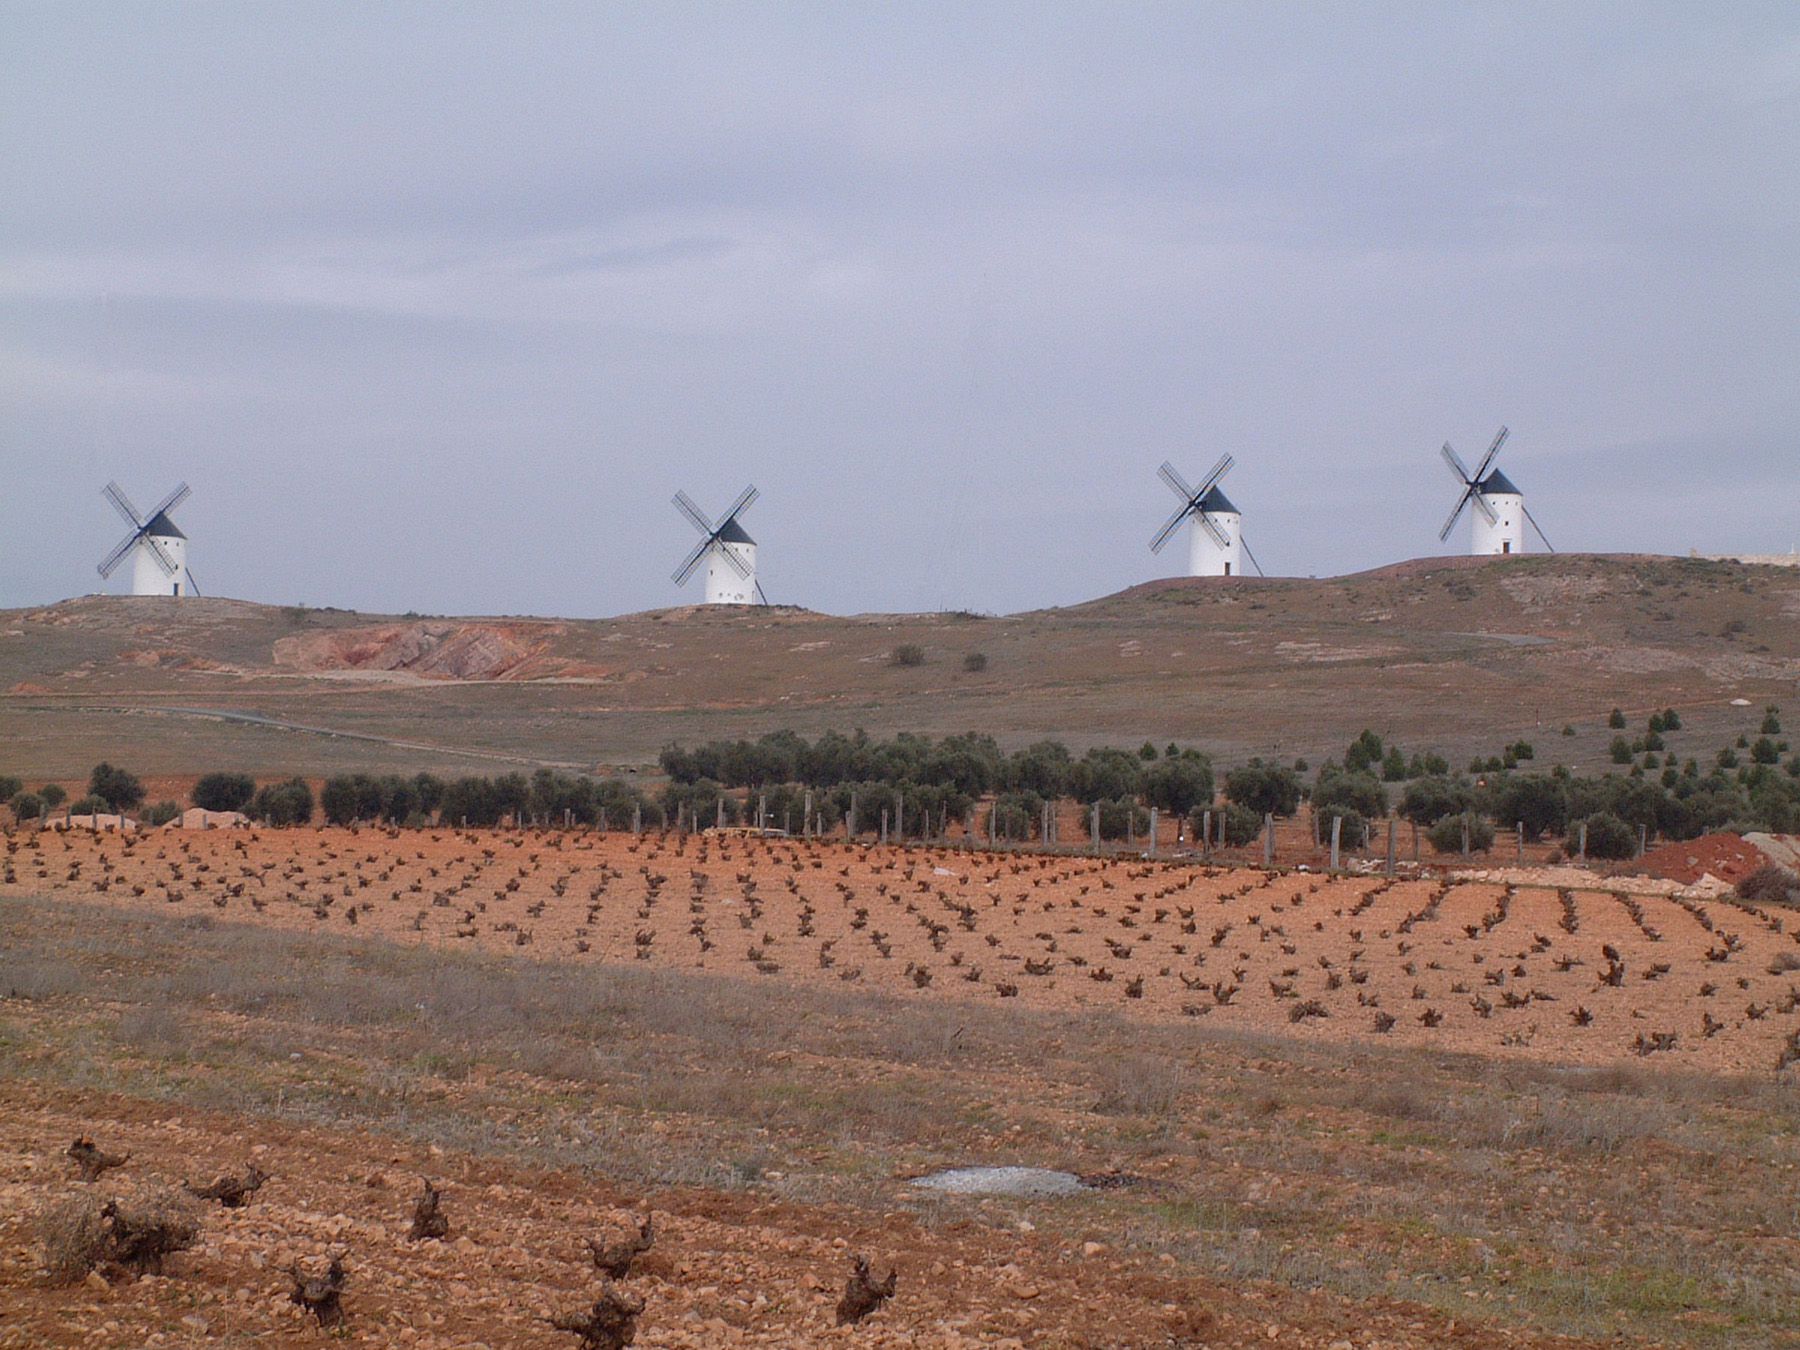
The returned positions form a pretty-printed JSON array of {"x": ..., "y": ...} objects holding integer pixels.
[
  {"x": 1770, "y": 884},
  {"x": 83, "y": 1232}
]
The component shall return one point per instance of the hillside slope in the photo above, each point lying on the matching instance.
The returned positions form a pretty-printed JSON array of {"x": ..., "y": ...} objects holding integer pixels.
[{"x": 1452, "y": 653}]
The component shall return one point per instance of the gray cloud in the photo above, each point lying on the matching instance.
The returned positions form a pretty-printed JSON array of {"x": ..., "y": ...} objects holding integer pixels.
[{"x": 436, "y": 307}]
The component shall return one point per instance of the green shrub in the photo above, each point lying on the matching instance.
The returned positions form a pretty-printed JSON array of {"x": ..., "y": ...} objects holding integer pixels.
[
  {"x": 289, "y": 803},
  {"x": 1350, "y": 834},
  {"x": 10, "y": 787},
  {"x": 1365, "y": 753},
  {"x": 1264, "y": 789},
  {"x": 1121, "y": 816},
  {"x": 1671, "y": 720},
  {"x": 1608, "y": 837},
  {"x": 1106, "y": 774},
  {"x": 1239, "y": 824},
  {"x": 975, "y": 662},
  {"x": 1017, "y": 815},
  {"x": 347, "y": 798},
  {"x": 1620, "y": 750},
  {"x": 90, "y": 806},
  {"x": 1428, "y": 800},
  {"x": 223, "y": 791},
  {"x": 1447, "y": 835},
  {"x": 115, "y": 786},
  {"x": 26, "y": 806},
  {"x": 699, "y": 803},
  {"x": 53, "y": 795},
  {"x": 161, "y": 814},
  {"x": 1179, "y": 783},
  {"x": 1337, "y": 793},
  {"x": 1537, "y": 802},
  {"x": 1771, "y": 723},
  {"x": 907, "y": 654},
  {"x": 1616, "y": 719}
]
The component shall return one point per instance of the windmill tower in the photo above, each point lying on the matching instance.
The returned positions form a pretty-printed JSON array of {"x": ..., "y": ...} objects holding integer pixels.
[
  {"x": 158, "y": 546},
  {"x": 1500, "y": 517},
  {"x": 1216, "y": 545},
  {"x": 729, "y": 552}
]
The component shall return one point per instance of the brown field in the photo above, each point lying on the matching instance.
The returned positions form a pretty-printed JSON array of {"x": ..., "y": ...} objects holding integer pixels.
[
  {"x": 1576, "y": 1129},
  {"x": 1461, "y": 655},
  {"x": 568, "y": 1029}
]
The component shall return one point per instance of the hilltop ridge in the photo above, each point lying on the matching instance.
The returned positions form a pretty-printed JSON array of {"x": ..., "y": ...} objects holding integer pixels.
[{"x": 1457, "y": 653}]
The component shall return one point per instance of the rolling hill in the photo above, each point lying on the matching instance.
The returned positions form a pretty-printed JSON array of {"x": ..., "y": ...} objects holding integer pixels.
[{"x": 1456, "y": 654}]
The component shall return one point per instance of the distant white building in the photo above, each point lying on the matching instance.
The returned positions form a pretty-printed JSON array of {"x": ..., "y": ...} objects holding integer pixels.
[
  {"x": 1219, "y": 551},
  {"x": 726, "y": 583},
  {"x": 1505, "y": 533},
  {"x": 730, "y": 553},
  {"x": 1497, "y": 524},
  {"x": 156, "y": 546}
]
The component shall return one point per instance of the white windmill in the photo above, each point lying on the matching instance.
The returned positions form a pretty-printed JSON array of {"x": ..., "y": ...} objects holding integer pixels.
[
  {"x": 1498, "y": 524},
  {"x": 1216, "y": 546},
  {"x": 160, "y": 565},
  {"x": 730, "y": 553}
]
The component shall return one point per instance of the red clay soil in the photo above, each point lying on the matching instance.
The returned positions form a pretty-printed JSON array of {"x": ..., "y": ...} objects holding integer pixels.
[
  {"x": 1584, "y": 976},
  {"x": 726, "y": 1270},
  {"x": 1725, "y": 856}
]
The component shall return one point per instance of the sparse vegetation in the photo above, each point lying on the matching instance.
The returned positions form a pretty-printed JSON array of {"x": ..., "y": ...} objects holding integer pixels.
[
  {"x": 160, "y": 814},
  {"x": 119, "y": 789},
  {"x": 975, "y": 662},
  {"x": 1770, "y": 884},
  {"x": 1450, "y": 833},
  {"x": 907, "y": 654},
  {"x": 223, "y": 791},
  {"x": 289, "y": 803}
]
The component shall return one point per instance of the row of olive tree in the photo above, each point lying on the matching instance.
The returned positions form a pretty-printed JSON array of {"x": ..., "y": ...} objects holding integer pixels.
[{"x": 969, "y": 766}]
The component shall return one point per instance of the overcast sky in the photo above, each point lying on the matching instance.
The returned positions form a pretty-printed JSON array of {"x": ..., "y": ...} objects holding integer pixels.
[{"x": 435, "y": 305}]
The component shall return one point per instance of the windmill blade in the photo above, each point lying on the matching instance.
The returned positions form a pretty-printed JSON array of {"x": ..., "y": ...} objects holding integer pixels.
[
  {"x": 174, "y": 499},
  {"x": 692, "y": 561},
  {"x": 1537, "y": 527},
  {"x": 685, "y": 505},
  {"x": 1481, "y": 504},
  {"x": 761, "y": 599},
  {"x": 158, "y": 552},
  {"x": 1219, "y": 470},
  {"x": 1244, "y": 544},
  {"x": 191, "y": 582},
  {"x": 1219, "y": 536},
  {"x": 117, "y": 556},
  {"x": 1163, "y": 535},
  {"x": 122, "y": 504},
  {"x": 1461, "y": 502},
  {"x": 741, "y": 505},
  {"x": 1487, "y": 460},
  {"x": 1177, "y": 484},
  {"x": 1457, "y": 467}
]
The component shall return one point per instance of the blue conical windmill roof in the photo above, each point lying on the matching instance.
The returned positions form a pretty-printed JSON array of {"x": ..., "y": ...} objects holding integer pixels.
[
  {"x": 163, "y": 528},
  {"x": 1498, "y": 483},
  {"x": 1215, "y": 502}
]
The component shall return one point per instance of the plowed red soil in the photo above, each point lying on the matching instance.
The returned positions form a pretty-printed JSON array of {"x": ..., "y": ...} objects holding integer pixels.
[
  {"x": 1573, "y": 976},
  {"x": 1725, "y": 856},
  {"x": 726, "y": 1270}
]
